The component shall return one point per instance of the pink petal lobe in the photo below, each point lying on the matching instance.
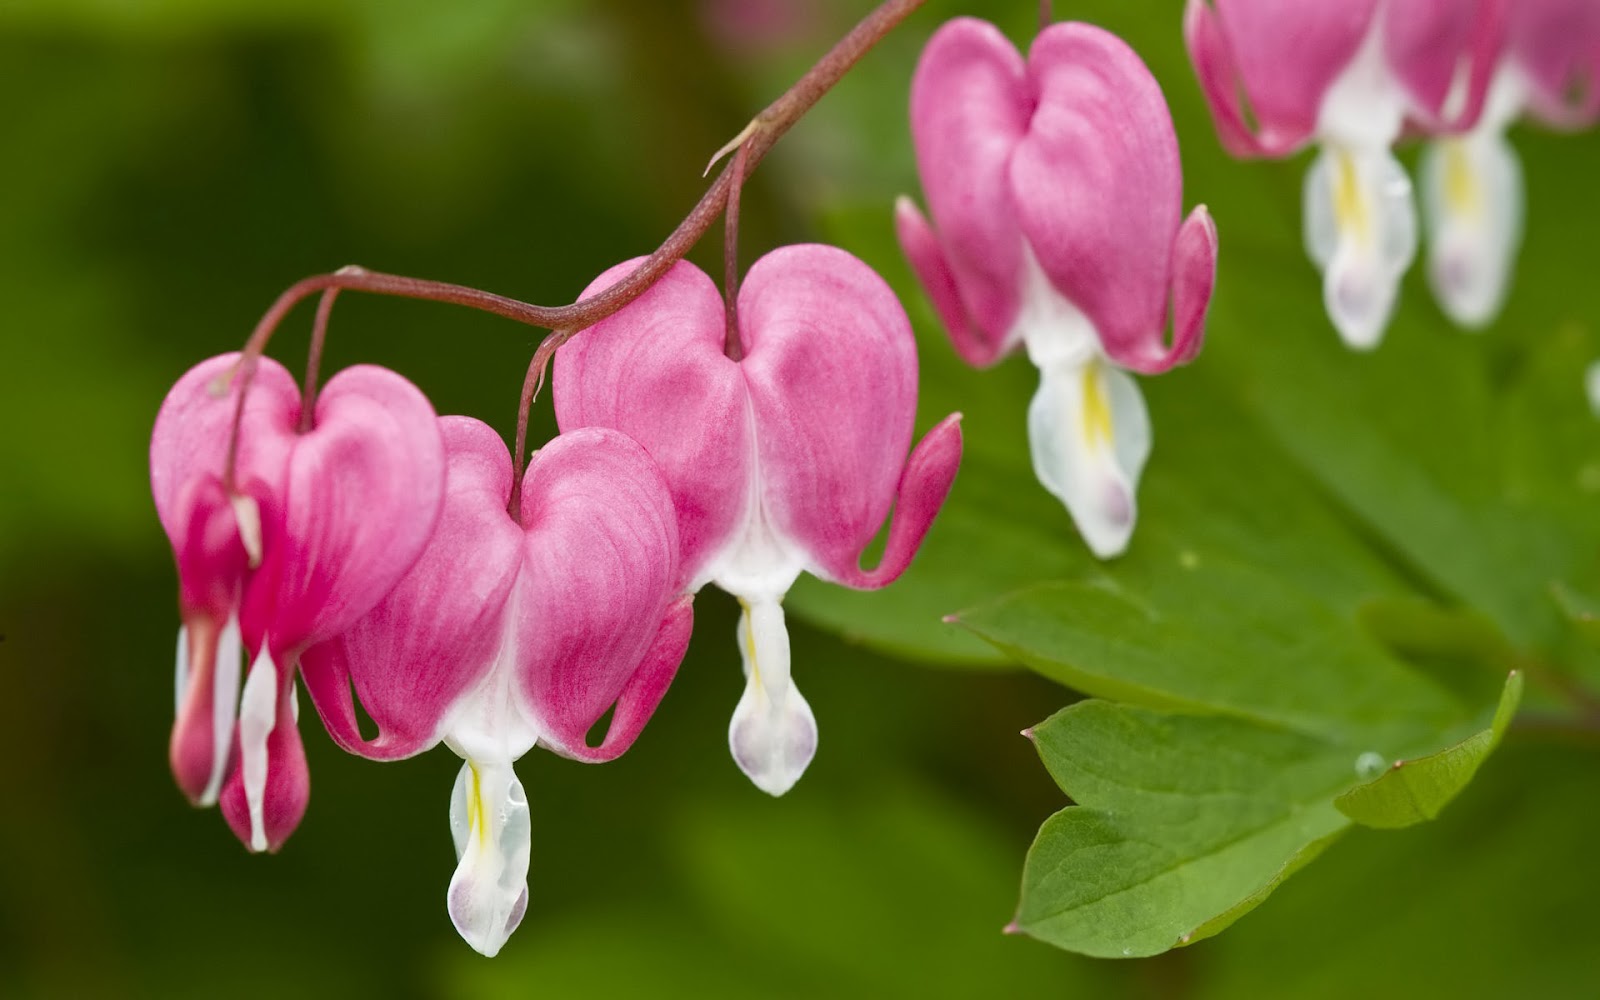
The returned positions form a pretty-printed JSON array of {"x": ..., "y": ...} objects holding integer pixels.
[
  {"x": 365, "y": 486},
  {"x": 193, "y": 746},
  {"x": 1099, "y": 185},
  {"x": 288, "y": 787},
  {"x": 1219, "y": 79},
  {"x": 926, "y": 256},
  {"x": 832, "y": 370},
  {"x": 656, "y": 371},
  {"x": 439, "y": 631},
  {"x": 1194, "y": 276},
  {"x": 193, "y": 427},
  {"x": 645, "y": 688},
  {"x": 600, "y": 567},
  {"x": 927, "y": 479},
  {"x": 1281, "y": 56},
  {"x": 1428, "y": 44},
  {"x": 1556, "y": 47},
  {"x": 969, "y": 109}
]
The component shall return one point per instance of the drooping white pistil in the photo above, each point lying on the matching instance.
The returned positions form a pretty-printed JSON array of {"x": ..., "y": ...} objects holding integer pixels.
[
  {"x": 1088, "y": 430},
  {"x": 489, "y": 818},
  {"x": 1361, "y": 230},
  {"x": 773, "y": 733},
  {"x": 491, "y": 826},
  {"x": 1472, "y": 199},
  {"x": 1360, "y": 220},
  {"x": 257, "y": 717}
]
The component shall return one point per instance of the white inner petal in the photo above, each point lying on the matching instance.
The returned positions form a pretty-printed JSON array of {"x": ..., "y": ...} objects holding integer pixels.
[
  {"x": 257, "y": 717},
  {"x": 773, "y": 733},
  {"x": 247, "y": 515},
  {"x": 1089, "y": 436},
  {"x": 180, "y": 683},
  {"x": 489, "y": 722},
  {"x": 1364, "y": 106},
  {"x": 1472, "y": 192},
  {"x": 1361, "y": 229},
  {"x": 491, "y": 826},
  {"x": 224, "y": 704}
]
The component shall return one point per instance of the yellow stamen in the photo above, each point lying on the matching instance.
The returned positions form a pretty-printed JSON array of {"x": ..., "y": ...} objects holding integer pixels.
[
  {"x": 476, "y": 821},
  {"x": 1461, "y": 191},
  {"x": 750, "y": 642},
  {"x": 1096, "y": 410},
  {"x": 1349, "y": 207}
]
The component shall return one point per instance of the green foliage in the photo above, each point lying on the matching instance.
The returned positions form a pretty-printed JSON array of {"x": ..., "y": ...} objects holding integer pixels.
[
  {"x": 1414, "y": 791},
  {"x": 1339, "y": 558}
]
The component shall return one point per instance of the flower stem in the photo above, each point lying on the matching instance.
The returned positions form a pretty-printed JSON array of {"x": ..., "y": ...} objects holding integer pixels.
[
  {"x": 730, "y": 253},
  {"x": 319, "y": 337},
  {"x": 763, "y": 133},
  {"x": 1047, "y": 14}
]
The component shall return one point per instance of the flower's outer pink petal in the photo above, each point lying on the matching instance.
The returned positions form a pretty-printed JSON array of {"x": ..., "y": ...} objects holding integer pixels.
[
  {"x": 1429, "y": 43},
  {"x": 656, "y": 372},
  {"x": 969, "y": 109},
  {"x": 193, "y": 427},
  {"x": 1219, "y": 80},
  {"x": 438, "y": 632},
  {"x": 1279, "y": 55},
  {"x": 927, "y": 259},
  {"x": 832, "y": 370},
  {"x": 927, "y": 479},
  {"x": 1100, "y": 189},
  {"x": 1556, "y": 46},
  {"x": 600, "y": 567},
  {"x": 1194, "y": 277},
  {"x": 288, "y": 780},
  {"x": 645, "y": 688},
  {"x": 365, "y": 486}
]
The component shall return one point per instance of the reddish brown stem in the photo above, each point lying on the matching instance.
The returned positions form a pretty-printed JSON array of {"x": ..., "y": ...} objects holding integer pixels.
[
  {"x": 730, "y": 256},
  {"x": 1047, "y": 14},
  {"x": 764, "y": 131},
  {"x": 532, "y": 382},
  {"x": 319, "y": 337}
]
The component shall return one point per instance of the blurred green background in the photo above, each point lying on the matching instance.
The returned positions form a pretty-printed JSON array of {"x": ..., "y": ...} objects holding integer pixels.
[{"x": 170, "y": 165}]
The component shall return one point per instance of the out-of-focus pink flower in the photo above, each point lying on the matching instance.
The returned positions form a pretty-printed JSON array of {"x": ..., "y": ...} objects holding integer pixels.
[
  {"x": 1347, "y": 75},
  {"x": 752, "y": 27},
  {"x": 314, "y": 530},
  {"x": 507, "y": 635},
  {"x": 1472, "y": 188},
  {"x": 1056, "y": 194},
  {"x": 784, "y": 461}
]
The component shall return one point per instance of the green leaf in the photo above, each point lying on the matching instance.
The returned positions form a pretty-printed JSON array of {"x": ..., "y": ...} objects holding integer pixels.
[
  {"x": 1183, "y": 824},
  {"x": 1413, "y": 791}
]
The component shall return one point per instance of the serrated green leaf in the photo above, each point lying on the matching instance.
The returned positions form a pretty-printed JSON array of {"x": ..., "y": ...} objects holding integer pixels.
[{"x": 1414, "y": 791}]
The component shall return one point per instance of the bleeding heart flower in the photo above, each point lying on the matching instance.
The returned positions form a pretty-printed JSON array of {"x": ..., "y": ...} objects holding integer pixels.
[
  {"x": 314, "y": 530},
  {"x": 1055, "y": 187},
  {"x": 509, "y": 634},
  {"x": 1472, "y": 189},
  {"x": 786, "y": 459},
  {"x": 1347, "y": 75}
]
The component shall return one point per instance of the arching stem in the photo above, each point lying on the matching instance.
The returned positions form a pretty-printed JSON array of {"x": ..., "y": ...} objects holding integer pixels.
[{"x": 730, "y": 253}]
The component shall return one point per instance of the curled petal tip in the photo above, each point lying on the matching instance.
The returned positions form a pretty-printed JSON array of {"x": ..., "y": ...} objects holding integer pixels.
[{"x": 924, "y": 485}]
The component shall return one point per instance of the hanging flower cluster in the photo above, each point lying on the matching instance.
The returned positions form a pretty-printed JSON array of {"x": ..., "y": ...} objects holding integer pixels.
[
  {"x": 1351, "y": 77},
  {"x": 1056, "y": 195},
  {"x": 405, "y": 567},
  {"x": 1471, "y": 183}
]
